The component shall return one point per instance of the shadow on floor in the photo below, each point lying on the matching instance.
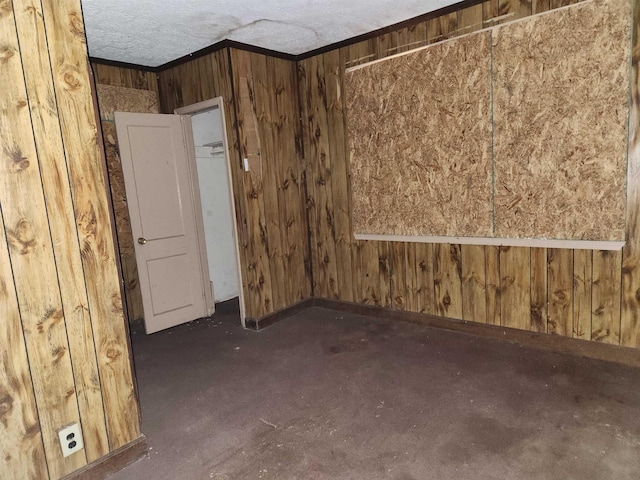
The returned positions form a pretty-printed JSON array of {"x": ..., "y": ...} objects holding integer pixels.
[{"x": 328, "y": 395}]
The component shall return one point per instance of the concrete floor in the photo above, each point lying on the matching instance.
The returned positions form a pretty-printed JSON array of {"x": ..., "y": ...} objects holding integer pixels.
[{"x": 327, "y": 395}]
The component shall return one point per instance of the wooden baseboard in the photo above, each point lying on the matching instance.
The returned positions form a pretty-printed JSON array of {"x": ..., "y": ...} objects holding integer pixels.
[
  {"x": 571, "y": 346},
  {"x": 270, "y": 319},
  {"x": 111, "y": 462}
]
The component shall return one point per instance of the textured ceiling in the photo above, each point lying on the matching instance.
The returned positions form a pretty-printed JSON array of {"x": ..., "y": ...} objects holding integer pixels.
[{"x": 154, "y": 32}]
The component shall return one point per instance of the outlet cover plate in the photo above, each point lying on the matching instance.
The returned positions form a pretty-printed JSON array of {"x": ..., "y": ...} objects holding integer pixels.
[{"x": 70, "y": 439}]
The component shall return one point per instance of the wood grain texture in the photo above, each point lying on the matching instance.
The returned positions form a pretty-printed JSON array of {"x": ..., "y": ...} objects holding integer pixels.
[
  {"x": 78, "y": 122},
  {"x": 24, "y": 214},
  {"x": 319, "y": 179},
  {"x": 334, "y": 77},
  {"x": 46, "y": 130},
  {"x": 561, "y": 283},
  {"x": 539, "y": 289},
  {"x": 515, "y": 287},
  {"x": 259, "y": 292},
  {"x": 605, "y": 297},
  {"x": 582, "y": 270},
  {"x": 630, "y": 315},
  {"x": 21, "y": 440},
  {"x": 560, "y": 123},
  {"x": 474, "y": 301},
  {"x": 447, "y": 280},
  {"x": 125, "y": 77},
  {"x": 492, "y": 284},
  {"x": 420, "y": 135}
]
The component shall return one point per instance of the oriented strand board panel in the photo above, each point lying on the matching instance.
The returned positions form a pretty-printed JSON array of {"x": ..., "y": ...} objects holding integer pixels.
[
  {"x": 120, "y": 99},
  {"x": 420, "y": 141},
  {"x": 561, "y": 83}
]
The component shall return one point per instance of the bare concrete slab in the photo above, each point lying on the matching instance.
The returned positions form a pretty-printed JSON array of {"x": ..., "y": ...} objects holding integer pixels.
[{"x": 329, "y": 395}]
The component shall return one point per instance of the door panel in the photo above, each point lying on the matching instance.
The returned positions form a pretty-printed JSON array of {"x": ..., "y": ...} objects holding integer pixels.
[{"x": 160, "y": 196}]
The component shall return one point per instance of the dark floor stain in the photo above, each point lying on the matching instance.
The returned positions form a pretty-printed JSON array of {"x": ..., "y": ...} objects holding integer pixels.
[{"x": 342, "y": 345}]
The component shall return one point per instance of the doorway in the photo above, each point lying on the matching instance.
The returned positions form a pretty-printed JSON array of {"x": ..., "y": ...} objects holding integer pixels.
[{"x": 216, "y": 198}]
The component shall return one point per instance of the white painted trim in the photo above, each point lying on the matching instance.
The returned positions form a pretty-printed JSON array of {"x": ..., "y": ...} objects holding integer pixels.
[
  {"x": 507, "y": 242},
  {"x": 200, "y": 107}
]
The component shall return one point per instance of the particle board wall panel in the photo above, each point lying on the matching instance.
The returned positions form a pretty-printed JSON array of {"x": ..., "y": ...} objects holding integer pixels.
[
  {"x": 492, "y": 284},
  {"x": 539, "y": 289},
  {"x": 24, "y": 214},
  {"x": 583, "y": 196},
  {"x": 582, "y": 270},
  {"x": 401, "y": 162},
  {"x": 274, "y": 212},
  {"x": 320, "y": 181},
  {"x": 21, "y": 440},
  {"x": 515, "y": 287},
  {"x": 474, "y": 301},
  {"x": 605, "y": 296},
  {"x": 46, "y": 130},
  {"x": 561, "y": 286},
  {"x": 78, "y": 121},
  {"x": 447, "y": 280},
  {"x": 334, "y": 75},
  {"x": 630, "y": 315}
]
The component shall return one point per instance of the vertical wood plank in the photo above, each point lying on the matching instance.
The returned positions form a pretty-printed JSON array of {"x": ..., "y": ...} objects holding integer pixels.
[
  {"x": 516, "y": 8},
  {"x": 21, "y": 440},
  {"x": 605, "y": 296},
  {"x": 398, "y": 275},
  {"x": 384, "y": 272},
  {"x": 538, "y": 320},
  {"x": 411, "y": 285},
  {"x": 447, "y": 280},
  {"x": 630, "y": 319},
  {"x": 560, "y": 291},
  {"x": 442, "y": 27},
  {"x": 539, "y": 6},
  {"x": 295, "y": 228},
  {"x": 474, "y": 298},
  {"x": 582, "y": 268},
  {"x": 470, "y": 19},
  {"x": 259, "y": 300},
  {"x": 334, "y": 75},
  {"x": 86, "y": 166},
  {"x": 274, "y": 212},
  {"x": 370, "y": 272},
  {"x": 425, "y": 291},
  {"x": 325, "y": 270},
  {"x": 492, "y": 269},
  {"x": 31, "y": 255},
  {"x": 46, "y": 130},
  {"x": 515, "y": 287}
]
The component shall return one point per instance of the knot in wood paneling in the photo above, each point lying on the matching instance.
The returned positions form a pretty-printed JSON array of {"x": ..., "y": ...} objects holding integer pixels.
[
  {"x": 76, "y": 26},
  {"x": 71, "y": 78},
  {"x": 6, "y": 405},
  {"x": 17, "y": 161},
  {"x": 22, "y": 238},
  {"x": 6, "y": 53}
]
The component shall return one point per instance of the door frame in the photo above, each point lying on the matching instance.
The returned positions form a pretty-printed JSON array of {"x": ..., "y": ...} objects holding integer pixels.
[{"x": 189, "y": 110}]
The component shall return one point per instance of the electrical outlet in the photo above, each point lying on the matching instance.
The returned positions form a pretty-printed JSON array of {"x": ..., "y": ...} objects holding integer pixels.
[{"x": 70, "y": 439}]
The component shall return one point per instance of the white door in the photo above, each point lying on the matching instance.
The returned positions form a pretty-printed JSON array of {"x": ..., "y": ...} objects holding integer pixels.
[{"x": 163, "y": 200}]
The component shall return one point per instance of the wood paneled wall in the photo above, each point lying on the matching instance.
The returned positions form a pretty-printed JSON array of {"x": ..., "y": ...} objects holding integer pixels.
[
  {"x": 260, "y": 99},
  {"x": 66, "y": 356},
  {"x": 584, "y": 294}
]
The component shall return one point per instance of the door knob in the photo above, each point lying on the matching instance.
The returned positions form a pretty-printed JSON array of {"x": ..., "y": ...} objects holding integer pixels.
[{"x": 142, "y": 241}]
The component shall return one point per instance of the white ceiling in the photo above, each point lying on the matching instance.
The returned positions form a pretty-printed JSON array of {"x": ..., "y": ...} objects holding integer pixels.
[{"x": 154, "y": 32}]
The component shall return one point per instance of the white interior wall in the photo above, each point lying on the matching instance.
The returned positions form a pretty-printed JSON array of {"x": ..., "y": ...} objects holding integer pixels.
[{"x": 216, "y": 204}]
